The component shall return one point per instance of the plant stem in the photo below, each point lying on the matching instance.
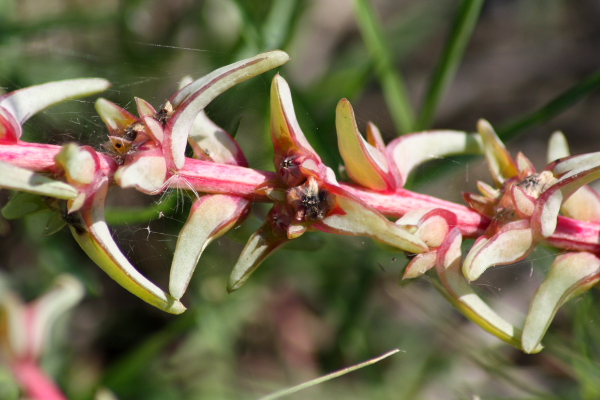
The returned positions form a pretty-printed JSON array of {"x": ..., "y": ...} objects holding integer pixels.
[{"x": 209, "y": 177}]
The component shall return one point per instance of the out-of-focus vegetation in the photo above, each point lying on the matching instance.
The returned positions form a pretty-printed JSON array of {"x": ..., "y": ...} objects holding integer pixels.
[{"x": 328, "y": 302}]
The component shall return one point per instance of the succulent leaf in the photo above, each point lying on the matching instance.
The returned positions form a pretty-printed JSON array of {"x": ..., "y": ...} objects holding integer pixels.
[
  {"x": 499, "y": 160},
  {"x": 487, "y": 190},
  {"x": 409, "y": 151},
  {"x": 79, "y": 165},
  {"x": 190, "y": 100},
  {"x": 95, "y": 239},
  {"x": 365, "y": 164},
  {"x": 154, "y": 129},
  {"x": 420, "y": 264},
  {"x": 557, "y": 147},
  {"x": 374, "y": 137},
  {"x": 116, "y": 118},
  {"x": 482, "y": 204},
  {"x": 26, "y": 102},
  {"x": 512, "y": 243},
  {"x": 260, "y": 245},
  {"x": 288, "y": 139},
  {"x": 572, "y": 173},
  {"x": 458, "y": 292},
  {"x": 524, "y": 165},
  {"x": 210, "y": 217},
  {"x": 524, "y": 203},
  {"x": 12, "y": 177},
  {"x": 356, "y": 218},
  {"x": 146, "y": 171},
  {"x": 570, "y": 275},
  {"x": 431, "y": 224},
  {"x": 144, "y": 108},
  {"x": 211, "y": 142},
  {"x": 584, "y": 204}
]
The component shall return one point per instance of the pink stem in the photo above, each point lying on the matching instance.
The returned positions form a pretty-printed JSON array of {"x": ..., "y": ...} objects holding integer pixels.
[
  {"x": 35, "y": 382},
  {"x": 208, "y": 177}
]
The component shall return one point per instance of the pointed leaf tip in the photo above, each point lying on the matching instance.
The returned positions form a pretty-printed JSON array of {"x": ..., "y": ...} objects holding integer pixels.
[
  {"x": 210, "y": 217},
  {"x": 26, "y": 102},
  {"x": 116, "y": 118},
  {"x": 286, "y": 134},
  {"x": 260, "y": 245},
  {"x": 144, "y": 108},
  {"x": 499, "y": 160},
  {"x": 557, "y": 147},
  {"x": 374, "y": 137},
  {"x": 100, "y": 247},
  {"x": 94, "y": 237},
  {"x": 365, "y": 164},
  {"x": 511, "y": 244},
  {"x": 191, "y": 99}
]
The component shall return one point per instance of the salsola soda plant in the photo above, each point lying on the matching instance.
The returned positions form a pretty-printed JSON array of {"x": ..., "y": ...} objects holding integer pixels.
[{"x": 521, "y": 209}]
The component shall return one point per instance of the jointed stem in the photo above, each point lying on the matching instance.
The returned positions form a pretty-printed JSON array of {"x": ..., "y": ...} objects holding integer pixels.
[{"x": 208, "y": 177}]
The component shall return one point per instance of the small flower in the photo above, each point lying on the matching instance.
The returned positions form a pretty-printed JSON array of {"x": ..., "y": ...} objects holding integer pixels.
[
  {"x": 524, "y": 208},
  {"x": 511, "y": 236},
  {"x": 307, "y": 196}
]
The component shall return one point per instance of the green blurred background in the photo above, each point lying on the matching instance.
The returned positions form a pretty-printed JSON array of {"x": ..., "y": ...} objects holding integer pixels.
[{"x": 325, "y": 302}]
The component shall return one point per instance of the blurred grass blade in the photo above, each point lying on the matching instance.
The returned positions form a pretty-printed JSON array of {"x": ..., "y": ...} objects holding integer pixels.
[
  {"x": 553, "y": 108},
  {"x": 250, "y": 32},
  {"x": 463, "y": 27},
  {"x": 536, "y": 118},
  {"x": 306, "y": 385},
  {"x": 394, "y": 88},
  {"x": 278, "y": 24}
]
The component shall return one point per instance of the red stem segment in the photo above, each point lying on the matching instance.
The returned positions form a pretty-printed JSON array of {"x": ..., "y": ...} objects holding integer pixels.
[
  {"x": 35, "y": 382},
  {"x": 209, "y": 177}
]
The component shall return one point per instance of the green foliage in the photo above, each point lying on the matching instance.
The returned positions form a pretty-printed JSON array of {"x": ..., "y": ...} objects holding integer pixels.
[{"x": 304, "y": 314}]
